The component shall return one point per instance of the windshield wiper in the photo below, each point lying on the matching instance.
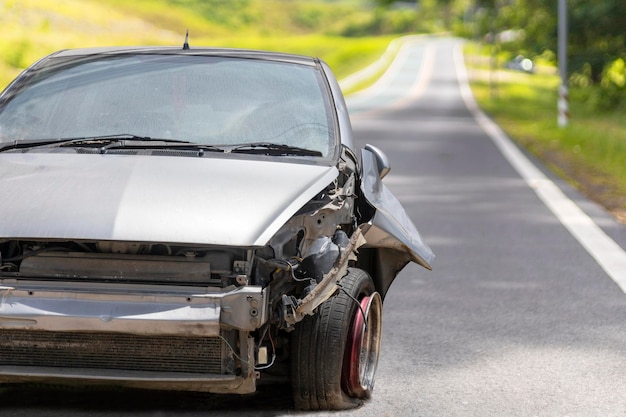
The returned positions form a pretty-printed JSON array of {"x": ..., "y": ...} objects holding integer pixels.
[
  {"x": 78, "y": 141},
  {"x": 127, "y": 140},
  {"x": 26, "y": 143},
  {"x": 184, "y": 146},
  {"x": 274, "y": 149},
  {"x": 100, "y": 140},
  {"x": 106, "y": 143},
  {"x": 117, "y": 141}
]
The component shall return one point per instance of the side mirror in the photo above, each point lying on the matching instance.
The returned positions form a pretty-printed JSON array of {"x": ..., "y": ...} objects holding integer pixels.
[{"x": 382, "y": 162}]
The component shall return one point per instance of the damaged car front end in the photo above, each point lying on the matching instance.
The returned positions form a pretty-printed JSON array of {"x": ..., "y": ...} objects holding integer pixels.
[{"x": 193, "y": 219}]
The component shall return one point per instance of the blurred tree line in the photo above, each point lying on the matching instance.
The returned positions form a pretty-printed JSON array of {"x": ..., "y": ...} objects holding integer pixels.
[
  {"x": 596, "y": 35},
  {"x": 597, "y": 53}
]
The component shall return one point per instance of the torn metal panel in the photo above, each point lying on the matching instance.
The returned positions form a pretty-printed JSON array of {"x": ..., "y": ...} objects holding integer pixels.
[{"x": 391, "y": 227}]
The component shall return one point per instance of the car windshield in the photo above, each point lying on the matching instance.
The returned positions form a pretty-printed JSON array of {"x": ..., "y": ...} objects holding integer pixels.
[{"x": 207, "y": 100}]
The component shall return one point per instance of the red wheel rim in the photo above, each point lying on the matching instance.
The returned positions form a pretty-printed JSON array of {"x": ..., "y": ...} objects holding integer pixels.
[{"x": 362, "y": 347}]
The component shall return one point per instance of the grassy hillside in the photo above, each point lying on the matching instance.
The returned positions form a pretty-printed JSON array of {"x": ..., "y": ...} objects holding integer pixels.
[{"x": 33, "y": 28}]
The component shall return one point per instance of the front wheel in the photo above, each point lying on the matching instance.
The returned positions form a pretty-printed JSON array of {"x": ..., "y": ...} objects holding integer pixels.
[{"x": 335, "y": 352}]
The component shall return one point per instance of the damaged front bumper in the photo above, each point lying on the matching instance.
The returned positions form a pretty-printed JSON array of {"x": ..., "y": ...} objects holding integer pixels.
[{"x": 156, "y": 337}]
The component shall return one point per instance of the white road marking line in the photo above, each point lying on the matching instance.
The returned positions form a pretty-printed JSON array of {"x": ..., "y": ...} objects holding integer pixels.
[{"x": 608, "y": 254}]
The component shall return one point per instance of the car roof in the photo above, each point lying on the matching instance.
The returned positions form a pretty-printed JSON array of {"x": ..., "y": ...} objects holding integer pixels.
[{"x": 201, "y": 51}]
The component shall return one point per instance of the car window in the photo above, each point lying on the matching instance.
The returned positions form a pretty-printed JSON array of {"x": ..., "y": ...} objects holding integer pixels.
[{"x": 208, "y": 100}]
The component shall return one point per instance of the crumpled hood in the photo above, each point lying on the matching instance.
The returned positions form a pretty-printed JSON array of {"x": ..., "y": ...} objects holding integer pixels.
[{"x": 152, "y": 198}]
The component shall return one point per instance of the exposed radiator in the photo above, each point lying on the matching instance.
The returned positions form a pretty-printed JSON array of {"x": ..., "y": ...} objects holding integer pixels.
[{"x": 112, "y": 351}]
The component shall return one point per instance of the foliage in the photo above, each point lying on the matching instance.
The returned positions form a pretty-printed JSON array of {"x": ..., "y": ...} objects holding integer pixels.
[
  {"x": 609, "y": 94},
  {"x": 380, "y": 22},
  {"x": 596, "y": 34},
  {"x": 595, "y": 37}
]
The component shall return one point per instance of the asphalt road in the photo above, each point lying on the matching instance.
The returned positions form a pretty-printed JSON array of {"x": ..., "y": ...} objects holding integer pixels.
[
  {"x": 517, "y": 319},
  {"x": 523, "y": 314}
]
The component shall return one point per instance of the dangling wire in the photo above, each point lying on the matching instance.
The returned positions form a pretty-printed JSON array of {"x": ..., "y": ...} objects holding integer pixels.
[
  {"x": 289, "y": 268},
  {"x": 260, "y": 368},
  {"x": 256, "y": 368},
  {"x": 355, "y": 301},
  {"x": 233, "y": 350}
]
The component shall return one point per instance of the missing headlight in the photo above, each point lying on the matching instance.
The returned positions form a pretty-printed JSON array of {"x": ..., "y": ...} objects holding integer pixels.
[{"x": 322, "y": 255}]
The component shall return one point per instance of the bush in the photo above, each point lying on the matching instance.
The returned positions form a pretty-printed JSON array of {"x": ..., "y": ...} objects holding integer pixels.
[
  {"x": 381, "y": 22},
  {"x": 607, "y": 95},
  {"x": 613, "y": 84}
]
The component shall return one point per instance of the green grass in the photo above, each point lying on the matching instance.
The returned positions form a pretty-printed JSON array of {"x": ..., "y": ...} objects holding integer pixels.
[
  {"x": 34, "y": 28},
  {"x": 590, "y": 152}
]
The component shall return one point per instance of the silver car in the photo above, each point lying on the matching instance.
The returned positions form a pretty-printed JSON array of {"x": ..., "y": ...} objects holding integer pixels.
[{"x": 193, "y": 219}]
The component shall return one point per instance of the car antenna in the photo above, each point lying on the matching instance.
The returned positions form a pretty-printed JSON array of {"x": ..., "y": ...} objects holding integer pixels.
[{"x": 186, "y": 44}]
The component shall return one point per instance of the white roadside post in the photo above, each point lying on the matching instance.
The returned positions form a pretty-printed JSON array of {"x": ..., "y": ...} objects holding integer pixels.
[{"x": 563, "y": 100}]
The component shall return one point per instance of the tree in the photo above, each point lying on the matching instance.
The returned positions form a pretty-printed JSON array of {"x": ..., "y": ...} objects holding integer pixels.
[
  {"x": 596, "y": 34},
  {"x": 595, "y": 37}
]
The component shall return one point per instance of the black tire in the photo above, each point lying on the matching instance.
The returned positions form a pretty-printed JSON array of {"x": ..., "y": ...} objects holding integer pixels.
[{"x": 334, "y": 354}]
